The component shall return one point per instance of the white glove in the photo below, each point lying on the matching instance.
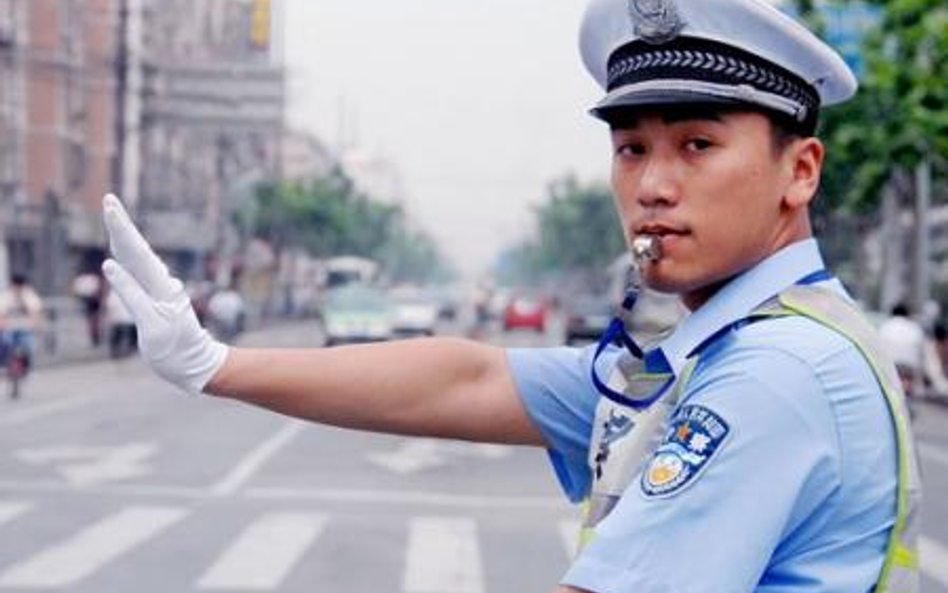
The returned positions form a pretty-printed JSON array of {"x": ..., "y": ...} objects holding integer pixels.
[{"x": 170, "y": 338}]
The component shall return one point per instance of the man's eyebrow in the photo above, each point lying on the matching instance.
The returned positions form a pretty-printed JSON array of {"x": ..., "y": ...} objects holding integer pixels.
[
  {"x": 630, "y": 120},
  {"x": 673, "y": 116}
]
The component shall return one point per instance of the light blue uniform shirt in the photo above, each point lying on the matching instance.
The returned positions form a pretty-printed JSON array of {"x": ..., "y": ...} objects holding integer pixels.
[{"x": 799, "y": 496}]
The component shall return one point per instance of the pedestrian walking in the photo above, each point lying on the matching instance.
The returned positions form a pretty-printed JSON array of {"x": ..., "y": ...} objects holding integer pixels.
[{"x": 763, "y": 445}]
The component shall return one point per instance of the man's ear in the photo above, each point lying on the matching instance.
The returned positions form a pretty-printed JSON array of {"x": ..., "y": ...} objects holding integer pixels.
[{"x": 804, "y": 159}]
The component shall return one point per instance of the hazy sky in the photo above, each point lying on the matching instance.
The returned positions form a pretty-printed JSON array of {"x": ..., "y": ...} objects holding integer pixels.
[{"x": 479, "y": 103}]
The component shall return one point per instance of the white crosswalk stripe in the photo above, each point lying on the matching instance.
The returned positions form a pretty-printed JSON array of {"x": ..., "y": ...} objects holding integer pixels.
[
  {"x": 933, "y": 559},
  {"x": 10, "y": 510},
  {"x": 92, "y": 548},
  {"x": 443, "y": 556},
  {"x": 264, "y": 553}
]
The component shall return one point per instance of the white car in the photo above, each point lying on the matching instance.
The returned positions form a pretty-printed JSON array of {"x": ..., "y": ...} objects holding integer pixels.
[
  {"x": 415, "y": 313},
  {"x": 356, "y": 313}
]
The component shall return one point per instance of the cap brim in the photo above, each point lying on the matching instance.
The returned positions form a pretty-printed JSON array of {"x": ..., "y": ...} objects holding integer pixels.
[{"x": 612, "y": 106}]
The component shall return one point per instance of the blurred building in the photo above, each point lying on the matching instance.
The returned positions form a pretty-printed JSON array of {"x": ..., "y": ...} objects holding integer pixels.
[
  {"x": 305, "y": 157},
  {"x": 177, "y": 105}
]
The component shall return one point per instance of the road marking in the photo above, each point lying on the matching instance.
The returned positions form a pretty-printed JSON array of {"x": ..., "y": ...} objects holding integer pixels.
[
  {"x": 343, "y": 495},
  {"x": 251, "y": 462},
  {"x": 11, "y": 510},
  {"x": 934, "y": 454},
  {"x": 442, "y": 556},
  {"x": 413, "y": 455},
  {"x": 66, "y": 563},
  {"x": 444, "y": 499},
  {"x": 569, "y": 534},
  {"x": 933, "y": 559},
  {"x": 84, "y": 466},
  {"x": 139, "y": 490},
  {"x": 37, "y": 411},
  {"x": 264, "y": 553}
]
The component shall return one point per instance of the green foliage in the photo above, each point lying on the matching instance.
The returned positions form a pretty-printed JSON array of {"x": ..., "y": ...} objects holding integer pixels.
[
  {"x": 900, "y": 113},
  {"x": 577, "y": 233},
  {"x": 328, "y": 217}
]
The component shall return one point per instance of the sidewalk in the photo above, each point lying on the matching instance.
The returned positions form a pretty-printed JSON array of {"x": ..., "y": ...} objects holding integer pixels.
[{"x": 66, "y": 336}]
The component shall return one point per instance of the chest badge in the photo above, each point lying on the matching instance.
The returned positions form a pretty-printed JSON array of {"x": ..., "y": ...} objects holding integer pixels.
[{"x": 693, "y": 437}]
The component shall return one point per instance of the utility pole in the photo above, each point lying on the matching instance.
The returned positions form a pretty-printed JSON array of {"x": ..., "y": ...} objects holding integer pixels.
[
  {"x": 128, "y": 102},
  {"x": 923, "y": 199},
  {"x": 121, "y": 88}
]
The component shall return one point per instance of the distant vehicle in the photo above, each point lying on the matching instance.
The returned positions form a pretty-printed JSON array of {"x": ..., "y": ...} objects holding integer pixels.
[
  {"x": 356, "y": 313},
  {"x": 525, "y": 311},
  {"x": 226, "y": 314},
  {"x": 349, "y": 269},
  {"x": 587, "y": 316},
  {"x": 415, "y": 313}
]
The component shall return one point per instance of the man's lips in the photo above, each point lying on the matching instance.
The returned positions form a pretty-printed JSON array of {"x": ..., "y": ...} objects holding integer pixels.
[{"x": 659, "y": 229}]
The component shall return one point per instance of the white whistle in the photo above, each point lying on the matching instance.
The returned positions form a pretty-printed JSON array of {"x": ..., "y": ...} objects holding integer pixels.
[{"x": 646, "y": 248}]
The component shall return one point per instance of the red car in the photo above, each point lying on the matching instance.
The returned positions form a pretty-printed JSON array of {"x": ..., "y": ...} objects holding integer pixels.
[{"x": 527, "y": 312}]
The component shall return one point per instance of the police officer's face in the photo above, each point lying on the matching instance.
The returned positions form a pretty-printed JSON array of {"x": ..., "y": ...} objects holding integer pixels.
[{"x": 715, "y": 188}]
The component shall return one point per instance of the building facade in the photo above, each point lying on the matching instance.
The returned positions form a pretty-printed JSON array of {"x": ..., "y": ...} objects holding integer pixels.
[{"x": 173, "y": 104}]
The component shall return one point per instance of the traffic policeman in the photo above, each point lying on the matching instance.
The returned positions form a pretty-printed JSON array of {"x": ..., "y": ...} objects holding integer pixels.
[{"x": 762, "y": 445}]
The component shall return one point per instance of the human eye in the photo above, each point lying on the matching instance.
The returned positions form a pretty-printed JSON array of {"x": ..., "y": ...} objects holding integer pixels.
[
  {"x": 698, "y": 144},
  {"x": 630, "y": 149}
]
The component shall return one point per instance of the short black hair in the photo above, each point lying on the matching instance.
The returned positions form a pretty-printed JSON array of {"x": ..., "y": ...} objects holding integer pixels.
[
  {"x": 901, "y": 310},
  {"x": 783, "y": 127}
]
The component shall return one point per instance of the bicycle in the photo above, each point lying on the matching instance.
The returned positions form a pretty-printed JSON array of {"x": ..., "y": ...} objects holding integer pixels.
[{"x": 15, "y": 356}]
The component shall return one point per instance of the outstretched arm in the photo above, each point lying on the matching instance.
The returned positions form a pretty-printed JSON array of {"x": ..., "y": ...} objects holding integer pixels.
[
  {"x": 443, "y": 387},
  {"x": 437, "y": 387}
]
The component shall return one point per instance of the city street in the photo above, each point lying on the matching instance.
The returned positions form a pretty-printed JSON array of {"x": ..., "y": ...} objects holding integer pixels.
[{"x": 111, "y": 483}]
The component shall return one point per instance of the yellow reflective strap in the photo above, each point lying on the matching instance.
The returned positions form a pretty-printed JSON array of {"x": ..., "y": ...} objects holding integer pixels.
[
  {"x": 585, "y": 536},
  {"x": 897, "y": 555},
  {"x": 905, "y": 557}
]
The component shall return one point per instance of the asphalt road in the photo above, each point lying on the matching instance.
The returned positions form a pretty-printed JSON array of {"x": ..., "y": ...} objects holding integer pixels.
[{"x": 111, "y": 483}]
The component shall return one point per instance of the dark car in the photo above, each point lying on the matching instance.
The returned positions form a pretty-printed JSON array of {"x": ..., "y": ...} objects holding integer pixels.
[{"x": 586, "y": 317}]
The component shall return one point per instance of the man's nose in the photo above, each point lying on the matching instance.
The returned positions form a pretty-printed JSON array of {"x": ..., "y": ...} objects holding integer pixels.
[{"x": 659, "y": 183}]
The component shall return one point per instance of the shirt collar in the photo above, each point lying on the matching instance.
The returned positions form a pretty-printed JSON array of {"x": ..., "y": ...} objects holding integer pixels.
[{"x": 739, "y": 297}]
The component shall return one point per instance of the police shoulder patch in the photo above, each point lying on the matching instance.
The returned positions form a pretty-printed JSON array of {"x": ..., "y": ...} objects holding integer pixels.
[{"x": 694, "y": 435}]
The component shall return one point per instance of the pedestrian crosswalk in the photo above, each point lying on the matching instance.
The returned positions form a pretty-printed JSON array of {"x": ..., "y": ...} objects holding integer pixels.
[
  {"x": 442, "y": 554},
  {"x": 93, "y": 547},
  {"x": 264, "y": 553}
]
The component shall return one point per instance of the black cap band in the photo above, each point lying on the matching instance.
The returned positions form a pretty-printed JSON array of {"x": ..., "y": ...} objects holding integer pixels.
[{"x": 689, "y": 58}]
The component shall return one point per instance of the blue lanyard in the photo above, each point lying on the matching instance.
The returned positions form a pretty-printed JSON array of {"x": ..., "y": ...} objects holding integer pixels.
[{"x": 616, "y": 333}]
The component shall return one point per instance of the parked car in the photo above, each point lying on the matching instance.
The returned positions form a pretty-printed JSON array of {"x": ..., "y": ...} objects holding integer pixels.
[
  {"x": 586, "y": 317},
  {"x": 526, "y": 311},
  {"x": 356, "y": 313}
]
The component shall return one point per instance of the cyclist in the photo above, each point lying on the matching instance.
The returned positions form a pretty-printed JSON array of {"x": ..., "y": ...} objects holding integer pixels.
[{"x": 21, "y": 316}]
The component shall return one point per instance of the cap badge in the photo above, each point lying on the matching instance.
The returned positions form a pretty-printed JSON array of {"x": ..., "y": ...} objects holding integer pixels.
[{"x": 655, "y": 21}]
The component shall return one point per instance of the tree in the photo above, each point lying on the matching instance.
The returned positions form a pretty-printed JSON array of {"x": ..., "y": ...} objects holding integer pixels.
[
  {"x": 578, "y": 234},
  {"x": 328, "y": 216},
  {"x": 875, "y": 141},
  {"x": 900, "y": 114}
]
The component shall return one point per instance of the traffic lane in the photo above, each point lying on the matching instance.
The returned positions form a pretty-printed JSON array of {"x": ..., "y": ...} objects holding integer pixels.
[
  {"x": 364, "y": 463},
  {"x": 931, "y": 433},
  {"x": 132, "y": 428}
]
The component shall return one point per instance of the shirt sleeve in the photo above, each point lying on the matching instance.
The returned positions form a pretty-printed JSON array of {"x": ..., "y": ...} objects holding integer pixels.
[
  {"x": 557, "y": 391},
  {"x": 777, "y": 459}
]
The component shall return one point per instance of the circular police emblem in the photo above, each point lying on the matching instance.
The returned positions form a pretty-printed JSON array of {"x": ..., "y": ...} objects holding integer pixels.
[
  {"x": 655, "y": 21},
  {"x": 663, "y": 470},
  {"x": 693, "y": 437}
]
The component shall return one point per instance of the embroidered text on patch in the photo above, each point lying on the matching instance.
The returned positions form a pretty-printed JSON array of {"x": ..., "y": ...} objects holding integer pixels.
[{"x": 693, "y": 436}]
